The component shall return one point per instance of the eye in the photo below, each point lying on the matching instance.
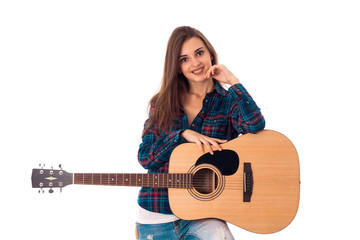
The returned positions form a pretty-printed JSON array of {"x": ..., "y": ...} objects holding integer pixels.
[
  {"x": 199, "y": 53},
  {"x": 183, "y": 59}
]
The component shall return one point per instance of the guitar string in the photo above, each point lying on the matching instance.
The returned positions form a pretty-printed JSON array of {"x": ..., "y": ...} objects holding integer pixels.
[{"x": 184, "y": 184}]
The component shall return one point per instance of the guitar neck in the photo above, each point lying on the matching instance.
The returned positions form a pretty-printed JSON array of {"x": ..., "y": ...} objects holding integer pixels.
[{"x": 159, "y": 180}]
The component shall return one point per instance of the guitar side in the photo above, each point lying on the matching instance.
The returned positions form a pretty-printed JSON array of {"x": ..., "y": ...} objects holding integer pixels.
[{"x": 275, "y": 189}]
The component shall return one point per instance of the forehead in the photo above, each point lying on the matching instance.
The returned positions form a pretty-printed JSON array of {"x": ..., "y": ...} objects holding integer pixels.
[{"x": 190, "y": 45}]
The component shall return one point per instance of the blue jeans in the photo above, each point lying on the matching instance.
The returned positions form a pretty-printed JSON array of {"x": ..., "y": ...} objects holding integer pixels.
[{"x": 203, "y": 229}]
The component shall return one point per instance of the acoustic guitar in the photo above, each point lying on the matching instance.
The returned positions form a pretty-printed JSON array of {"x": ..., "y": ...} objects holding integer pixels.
[{"x": 253, "y": 183}]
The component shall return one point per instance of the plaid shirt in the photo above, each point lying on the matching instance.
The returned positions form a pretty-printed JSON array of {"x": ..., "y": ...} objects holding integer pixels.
[{"x": 224, "y": 115}]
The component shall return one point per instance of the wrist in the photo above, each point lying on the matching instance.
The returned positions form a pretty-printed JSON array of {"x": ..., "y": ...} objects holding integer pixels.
[
  {"x": 182, "y": 133},
  {"x": 234, "y": 81}
]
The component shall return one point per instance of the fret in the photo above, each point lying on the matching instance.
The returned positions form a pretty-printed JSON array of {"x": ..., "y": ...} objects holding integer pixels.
[
  {"x": 112, "y": 179},
  {"x": 168, "y": 180},
  {"x": 185, "y": 181},
  {"x": 161, "y": 180},
  {"x": 118, "y": 179},
  {"x": 177, "y": 181},
  {"x": 105, "y": 179},
  {"x": 182, "y": 182},
  {"x": 78, "y": 178},
  {"x": 139, "y": 178},
  {"x": 126, "y": 180},
  {"x": 155, "y": 180},
  {"x": 86, "y": 178},
  {"x": 171, "y": 181},
  {"x": 96, "y": 179}
]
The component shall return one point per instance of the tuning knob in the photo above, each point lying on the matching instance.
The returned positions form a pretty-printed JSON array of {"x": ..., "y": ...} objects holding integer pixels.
[{"x": 51, "y": 190}]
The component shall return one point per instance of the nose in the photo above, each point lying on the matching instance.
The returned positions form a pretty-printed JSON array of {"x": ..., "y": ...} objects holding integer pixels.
[{"x": 195, "y": 62}]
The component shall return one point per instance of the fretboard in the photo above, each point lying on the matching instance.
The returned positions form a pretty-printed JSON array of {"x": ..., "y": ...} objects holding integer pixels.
[{"x": 160, "y": 180}]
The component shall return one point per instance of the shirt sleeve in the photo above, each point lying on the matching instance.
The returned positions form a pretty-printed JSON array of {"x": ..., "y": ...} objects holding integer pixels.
[
  {"x": 156, "y": 147},
  {"x": 246, "y": 116}
]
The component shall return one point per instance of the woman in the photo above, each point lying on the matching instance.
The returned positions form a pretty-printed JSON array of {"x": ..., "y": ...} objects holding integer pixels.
[{"x": 191, "y": 106}]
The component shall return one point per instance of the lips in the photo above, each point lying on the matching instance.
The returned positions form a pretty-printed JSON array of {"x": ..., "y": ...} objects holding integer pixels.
[{"x": 198, "y": 71}]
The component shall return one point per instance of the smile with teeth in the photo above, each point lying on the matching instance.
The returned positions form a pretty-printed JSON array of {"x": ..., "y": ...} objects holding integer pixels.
[{"x": 198, "y": 71}]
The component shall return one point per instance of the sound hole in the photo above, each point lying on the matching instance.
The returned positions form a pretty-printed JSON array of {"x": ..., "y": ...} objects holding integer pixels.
[{"x": 205, "y": 181}]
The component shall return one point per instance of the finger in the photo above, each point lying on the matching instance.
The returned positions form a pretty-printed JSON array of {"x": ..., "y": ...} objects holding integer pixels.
[
  {"x": 208, "y": 146},
  {"x": 219, "y": 140},
  {"x": 207, "y": 75},
  {"x": 215, "y": 144},
  {"x": 218, "y": 147},
  {"x": 213, "y": 71},
  {"x": 200, "y": 145}
]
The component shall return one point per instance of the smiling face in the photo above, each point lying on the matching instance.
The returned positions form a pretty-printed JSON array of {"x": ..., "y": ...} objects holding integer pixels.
[{"x": 195, "y": 59}]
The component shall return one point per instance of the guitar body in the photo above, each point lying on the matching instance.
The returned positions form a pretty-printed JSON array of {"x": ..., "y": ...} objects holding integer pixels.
[{"x": 263, "y": 199}]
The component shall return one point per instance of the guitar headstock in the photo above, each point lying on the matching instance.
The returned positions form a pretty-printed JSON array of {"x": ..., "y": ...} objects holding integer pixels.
[{"x": 50, "y": 178}]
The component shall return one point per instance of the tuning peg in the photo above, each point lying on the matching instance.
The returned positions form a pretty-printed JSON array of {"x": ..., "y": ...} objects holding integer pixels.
[
  {"x": 42, "y": 165},
  {"x": 41, "y": 191},
  {"x": 51, "y": 190},
  {"x": 60, "y": 166}
]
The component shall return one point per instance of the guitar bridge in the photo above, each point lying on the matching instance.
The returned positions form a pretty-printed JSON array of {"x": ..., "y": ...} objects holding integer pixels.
[{"x": 248, "y": 182}]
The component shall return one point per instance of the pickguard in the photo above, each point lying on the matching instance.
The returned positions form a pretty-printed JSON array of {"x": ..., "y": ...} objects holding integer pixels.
[{"x": 227, "y": 161}]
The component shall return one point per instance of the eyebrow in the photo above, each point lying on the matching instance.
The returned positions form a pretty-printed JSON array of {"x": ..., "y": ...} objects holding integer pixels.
[{"x": 194, "y": 51}]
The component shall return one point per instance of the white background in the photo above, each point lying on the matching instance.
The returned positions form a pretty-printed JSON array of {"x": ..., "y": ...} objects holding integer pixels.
[{"x": 76, "y": 78}]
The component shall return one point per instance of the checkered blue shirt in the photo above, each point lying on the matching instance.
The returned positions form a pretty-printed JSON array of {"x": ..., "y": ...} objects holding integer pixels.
[{"x": 224, "y": 115}]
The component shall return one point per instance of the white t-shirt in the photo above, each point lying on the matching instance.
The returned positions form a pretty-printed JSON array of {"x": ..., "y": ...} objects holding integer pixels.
[{"x": 144, "y": 216}]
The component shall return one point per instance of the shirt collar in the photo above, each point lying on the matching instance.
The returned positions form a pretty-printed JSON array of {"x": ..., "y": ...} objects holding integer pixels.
[{"x": 219, "y": 89}]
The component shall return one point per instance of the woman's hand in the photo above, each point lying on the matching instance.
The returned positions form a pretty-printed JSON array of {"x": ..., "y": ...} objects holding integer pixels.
[
  {"x": 222, "y": 74},
  {"x": 201, "y": 140}
]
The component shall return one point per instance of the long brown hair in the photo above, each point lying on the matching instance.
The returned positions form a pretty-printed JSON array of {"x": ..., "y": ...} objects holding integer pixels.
[{"x": 166, "y": 103}]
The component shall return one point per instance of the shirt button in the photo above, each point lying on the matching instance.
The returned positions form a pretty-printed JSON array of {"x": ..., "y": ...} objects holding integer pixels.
[
  {"x": 193, "y": 125},
  {"x": 206, "y": 100}
]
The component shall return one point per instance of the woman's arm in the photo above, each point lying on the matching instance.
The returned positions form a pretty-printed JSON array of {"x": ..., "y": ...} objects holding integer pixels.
[
  {"x": 246, "y": 116},
  {"x": 156, "y": 147}
]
